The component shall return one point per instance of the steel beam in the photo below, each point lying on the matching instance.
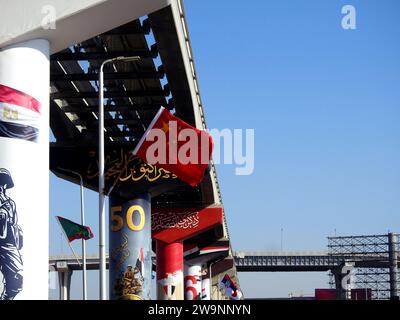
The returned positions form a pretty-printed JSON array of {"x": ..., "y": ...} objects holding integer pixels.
[
  {"x": 134, "y": 132},
  {"x": 130, "y": 30},
  {"x": 85, "y": 56},
  {"x": 107, "y": 122},
  {"x": 112, "y": 108},
  {"x": 110, "y": 94},
  {"x": 108, "y": 76}
]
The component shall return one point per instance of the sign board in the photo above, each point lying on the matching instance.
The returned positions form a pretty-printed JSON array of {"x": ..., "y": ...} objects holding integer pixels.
[
  {"x": 177, "y": 224},
  {"x": 125, "y": 174}
]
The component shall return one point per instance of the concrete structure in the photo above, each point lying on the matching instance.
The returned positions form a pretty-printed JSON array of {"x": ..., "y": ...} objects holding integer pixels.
[
  {"x": 393, "y": 265},
  {"x": 24, "y": 113}
]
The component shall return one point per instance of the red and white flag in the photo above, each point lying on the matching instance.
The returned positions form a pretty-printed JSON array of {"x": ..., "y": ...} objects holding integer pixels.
[
  {"x": 172, "y": 144},
  {"x": 19, "y": 114}
]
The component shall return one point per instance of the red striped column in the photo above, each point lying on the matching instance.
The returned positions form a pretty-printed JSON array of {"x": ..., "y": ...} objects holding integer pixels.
[
  {"x": 169, "y": 270},
  {"x": 171, "y": 226},
  {"x": 193, "y": 282},
  {"x": 24, "y": 170}
]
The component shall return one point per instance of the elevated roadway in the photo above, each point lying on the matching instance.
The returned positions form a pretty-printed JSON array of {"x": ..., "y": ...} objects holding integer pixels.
[{"x": 260, "y": 261}]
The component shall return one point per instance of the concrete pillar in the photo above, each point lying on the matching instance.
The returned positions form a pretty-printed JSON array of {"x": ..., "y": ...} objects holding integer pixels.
[
  {"x": 169, "y": 270},
  {"x": 130, "y": 248},
  {"x": 343, "y": 281},
  {"x": 64, "y": 283},
  {"x": 393, "y": 268},
  {"x": 24, "y": 170},
  {"x": 193, "y": 282}
]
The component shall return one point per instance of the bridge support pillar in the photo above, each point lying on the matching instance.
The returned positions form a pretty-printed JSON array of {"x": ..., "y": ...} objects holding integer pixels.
[
  {"x": 24, "y": 169},
  {"x": 64, "y": 283},
  {"x": 169, "y": 270},
  {"x": 193, "y": 282},
  {"x": 130, "y": 263},
  {"x": 343, "y": 281},
  {"x": 393, "y": 269}
]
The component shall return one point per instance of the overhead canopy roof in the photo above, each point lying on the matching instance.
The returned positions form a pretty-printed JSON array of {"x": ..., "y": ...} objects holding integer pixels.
[
  {"x": 64, "y": 23},
  {"x": 134, "y": 93}
]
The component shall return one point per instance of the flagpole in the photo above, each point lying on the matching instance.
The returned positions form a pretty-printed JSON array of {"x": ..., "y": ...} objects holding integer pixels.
[
  {"x": 84, "y": 285},
  {"x": 84, "y": 290},
  {"x": 73, "y": 251},
  {"x": 69, "y": 243}
]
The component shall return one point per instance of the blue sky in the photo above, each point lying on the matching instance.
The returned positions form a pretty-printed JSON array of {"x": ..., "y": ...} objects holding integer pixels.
[{"x": 325, "y": 105}]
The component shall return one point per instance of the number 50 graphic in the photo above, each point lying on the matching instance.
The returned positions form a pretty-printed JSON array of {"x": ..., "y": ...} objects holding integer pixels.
[{"x": 117, "y": 218}]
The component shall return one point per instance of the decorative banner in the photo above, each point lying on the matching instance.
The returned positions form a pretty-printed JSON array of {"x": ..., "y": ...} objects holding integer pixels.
[
  {"x": 202, "y": 253},
  {"x": 130, "y": 248},
  {"x": 192, "y": 282},
  {"x": 24, "y": 189},
  {"x": 169, "y": 271},
  {"x": 177, "y": 224},
  {"x": 125, "y": 175},
  {"x": 205, "y": 250}
]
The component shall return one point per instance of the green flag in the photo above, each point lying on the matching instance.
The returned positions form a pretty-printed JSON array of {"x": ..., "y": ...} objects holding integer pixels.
[{"x": 73, "y": 230}]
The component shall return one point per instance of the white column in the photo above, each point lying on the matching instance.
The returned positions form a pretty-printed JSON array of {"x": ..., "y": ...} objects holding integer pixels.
[
  {"x": 205, "y": 289},
  {"x": 64, "y": 282},
  {"x": 24, "y": 170},
  {"x": 193, "y": 282}
]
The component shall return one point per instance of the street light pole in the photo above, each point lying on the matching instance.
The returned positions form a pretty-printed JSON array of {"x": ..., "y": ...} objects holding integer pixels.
[{"x": 102, "y": 218}]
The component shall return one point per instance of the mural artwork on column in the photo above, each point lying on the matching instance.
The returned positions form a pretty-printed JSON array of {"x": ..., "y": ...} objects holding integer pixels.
[
  {"x": 10, "y": 240},
  {"x": 130, "y": 248},
  {"x": 19, "y": 119},
  {"x": 192, "y": 282},
  {"x": 24, "y": 170}
]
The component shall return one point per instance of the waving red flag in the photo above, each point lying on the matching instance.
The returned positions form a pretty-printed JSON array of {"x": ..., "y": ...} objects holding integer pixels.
[{"x": 172, "y": 144}]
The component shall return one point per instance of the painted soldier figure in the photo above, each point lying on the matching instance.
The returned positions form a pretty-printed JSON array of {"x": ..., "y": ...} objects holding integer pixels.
[
  {"x": 10, "y": 241},
  {"x": 131, "y": 283}
]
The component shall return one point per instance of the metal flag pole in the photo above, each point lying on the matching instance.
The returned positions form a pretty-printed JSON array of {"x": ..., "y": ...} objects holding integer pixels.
[
  {"x": 84, "y": 285},
  {"x": 102, "y": 217},
  {"x": 84, "y": 282}
]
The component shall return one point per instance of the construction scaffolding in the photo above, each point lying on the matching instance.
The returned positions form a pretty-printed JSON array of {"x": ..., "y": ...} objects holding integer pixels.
[{"x": 375, "y": 258}]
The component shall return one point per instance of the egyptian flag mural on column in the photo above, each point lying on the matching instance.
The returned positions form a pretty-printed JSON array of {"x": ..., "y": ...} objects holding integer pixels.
[
  {"x": 169, "y": 270},
  {"x": 20, "y": 114}
]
